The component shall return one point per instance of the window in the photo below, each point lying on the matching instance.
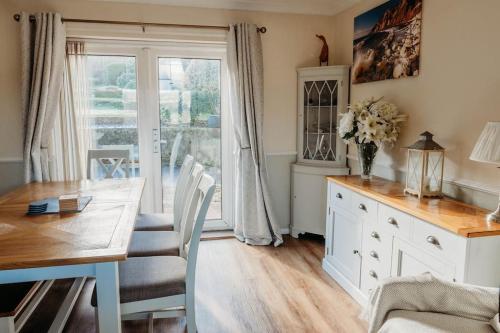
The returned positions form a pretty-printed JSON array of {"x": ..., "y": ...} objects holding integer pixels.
[{"x": 113, "y": 106}]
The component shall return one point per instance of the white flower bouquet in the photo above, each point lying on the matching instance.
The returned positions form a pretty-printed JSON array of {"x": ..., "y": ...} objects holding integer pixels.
[
  {"x": 370, "y": 124},
  {"x": 371, "y": 121}
]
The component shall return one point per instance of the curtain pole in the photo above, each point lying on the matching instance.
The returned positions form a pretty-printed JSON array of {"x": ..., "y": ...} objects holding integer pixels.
[{"x": 263, "y": 30}]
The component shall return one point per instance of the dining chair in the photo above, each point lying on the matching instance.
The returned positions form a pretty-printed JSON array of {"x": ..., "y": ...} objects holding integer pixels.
[
  {"x": 115, "y": 158},
  {"x": 164, "y": 286},
  {"x": 164, "y": 222},
  {"x": 166, "y": 243}
]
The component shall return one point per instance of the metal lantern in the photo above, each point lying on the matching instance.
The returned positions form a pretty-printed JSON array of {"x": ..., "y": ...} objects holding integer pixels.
[{"x": 424, "y": 172}]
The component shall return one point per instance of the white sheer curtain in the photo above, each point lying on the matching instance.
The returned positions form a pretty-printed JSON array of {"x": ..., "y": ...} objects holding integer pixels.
[
  {"x": 255, "y": 222},
  {"x": 72, "y": 136},
  {"x": 42, "y": 58}
]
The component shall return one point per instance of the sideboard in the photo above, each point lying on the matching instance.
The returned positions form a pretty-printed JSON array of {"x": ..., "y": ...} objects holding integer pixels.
[{"x": 374, "y": 231}]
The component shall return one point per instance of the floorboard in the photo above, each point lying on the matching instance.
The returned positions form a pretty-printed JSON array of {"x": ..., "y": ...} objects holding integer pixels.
[{"x": 241, "y": 288}]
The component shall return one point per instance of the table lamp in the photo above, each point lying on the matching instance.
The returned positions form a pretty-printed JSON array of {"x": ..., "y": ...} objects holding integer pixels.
[{"x": 487, "y": 150}]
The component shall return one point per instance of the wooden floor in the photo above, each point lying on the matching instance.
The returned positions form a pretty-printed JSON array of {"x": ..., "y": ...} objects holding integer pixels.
[{"x": 242, "y": 288}]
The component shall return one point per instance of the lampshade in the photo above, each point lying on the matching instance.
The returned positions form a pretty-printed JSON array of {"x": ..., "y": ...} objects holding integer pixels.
[{"x": 487, "y": 148}]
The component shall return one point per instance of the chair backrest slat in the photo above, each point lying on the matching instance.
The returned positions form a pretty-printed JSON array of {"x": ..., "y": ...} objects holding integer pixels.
[
  {"x": 187, "y": 209},
  {"x": 181, "y": 188},
  {"x": 205, "y": 191},
  {"x": 116, "y": 158}
]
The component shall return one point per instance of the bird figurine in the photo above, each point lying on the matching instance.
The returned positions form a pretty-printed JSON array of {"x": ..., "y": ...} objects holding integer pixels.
[{"x": 323, "y": 57}]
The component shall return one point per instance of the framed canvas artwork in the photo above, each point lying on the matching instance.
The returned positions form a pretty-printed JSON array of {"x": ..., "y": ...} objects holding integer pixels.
[{"x": 386, "y": 43}]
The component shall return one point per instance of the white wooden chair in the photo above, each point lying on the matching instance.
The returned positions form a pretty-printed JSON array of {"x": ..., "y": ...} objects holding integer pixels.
[
  {"x": 165, "y": 243},
  {"x": 163, "y": 286},
  {"x": 132, "y": 161},
  {"x": 115, "y": 158},
  {"x": 164, "y": 222}
]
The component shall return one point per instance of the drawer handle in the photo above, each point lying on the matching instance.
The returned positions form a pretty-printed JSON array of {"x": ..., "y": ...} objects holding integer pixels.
[
  {"x": 375, "y": 235},
  {"x": 374, "y": 254},
  {"x": 432, "y": 240},
  {"x": 392, "y": 220},
  {"x": 373, "y": 274},
  {"x": 362, "y": 207},
  {"x": 339, "y": 196}
]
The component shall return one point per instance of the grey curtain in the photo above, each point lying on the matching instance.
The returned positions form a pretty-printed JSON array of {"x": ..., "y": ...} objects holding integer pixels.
[
  {"x": 255, "y": 222},
  {"x": 42, "y": 52}
]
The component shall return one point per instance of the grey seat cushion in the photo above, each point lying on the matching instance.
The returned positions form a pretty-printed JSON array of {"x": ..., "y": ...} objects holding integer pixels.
[
  {"x": 430, "y": 322},
  {"x": 154, "y": 243},
  {"x": 150, "y": 277},
  {"x": 154, "y": 222}
]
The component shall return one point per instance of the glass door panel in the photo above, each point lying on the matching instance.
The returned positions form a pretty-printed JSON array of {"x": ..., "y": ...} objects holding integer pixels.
[
  {"x": 320, "y": 120},
  {"x": 112, "y": 116},
  {"x": 190, "y": 123}
]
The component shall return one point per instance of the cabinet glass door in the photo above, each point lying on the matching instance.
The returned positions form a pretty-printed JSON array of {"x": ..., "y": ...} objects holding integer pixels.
[{"x": 320, "y": 120}]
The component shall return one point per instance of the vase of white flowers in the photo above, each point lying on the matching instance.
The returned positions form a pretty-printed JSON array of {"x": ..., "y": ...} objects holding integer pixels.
[{"x": 370, "y": 124}]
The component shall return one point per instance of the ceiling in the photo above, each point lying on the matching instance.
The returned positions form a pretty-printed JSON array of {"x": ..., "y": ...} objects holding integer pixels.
[{"x": 318, "y": 7}]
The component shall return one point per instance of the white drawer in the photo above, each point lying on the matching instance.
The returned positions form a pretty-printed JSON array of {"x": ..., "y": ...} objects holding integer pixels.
[
  {"x": 364, "y": 207},
  {"x": 371, "y": 275},
  {"x": 394, "y": 221},
  {"x": 441, "y": 243},
  {"x": 380, "y": 243},
  {"x": 340, "y": 196},
  {"x": 379, "y": 259}
]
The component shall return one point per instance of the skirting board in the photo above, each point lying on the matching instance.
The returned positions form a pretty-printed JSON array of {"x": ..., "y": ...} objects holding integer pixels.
[{"x": 285, "y": 231}]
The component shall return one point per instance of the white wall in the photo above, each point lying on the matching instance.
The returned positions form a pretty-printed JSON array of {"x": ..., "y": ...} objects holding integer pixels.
[{"x": 457, "y": 91}]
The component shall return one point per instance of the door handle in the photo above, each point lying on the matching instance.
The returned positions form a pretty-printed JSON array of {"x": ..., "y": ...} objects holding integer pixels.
[{"x": 156, "y": 141}]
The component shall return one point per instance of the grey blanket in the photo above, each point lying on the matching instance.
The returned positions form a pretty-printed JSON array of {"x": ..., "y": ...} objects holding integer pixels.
[{"x": 427, "y": 293}]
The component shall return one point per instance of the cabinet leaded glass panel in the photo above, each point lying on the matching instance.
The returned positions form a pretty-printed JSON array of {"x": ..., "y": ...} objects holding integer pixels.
[{"x": 320, "y": 120}]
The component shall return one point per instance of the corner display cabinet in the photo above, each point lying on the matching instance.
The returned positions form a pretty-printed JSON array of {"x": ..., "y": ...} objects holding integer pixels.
[{"x": 323, "y": 94}]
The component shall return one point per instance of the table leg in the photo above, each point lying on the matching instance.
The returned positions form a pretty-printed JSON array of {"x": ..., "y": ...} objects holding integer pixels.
[{"x": 108, "y": 297}]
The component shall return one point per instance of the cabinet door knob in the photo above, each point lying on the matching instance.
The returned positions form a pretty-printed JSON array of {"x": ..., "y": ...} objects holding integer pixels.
[
  {"x": 432, "y": 240},
  {"x": 373, "y": 274},
  {"x": 392, "y": 220},
  {"x": 362, "y": 207},
  {"x": 355, "y": 252},
  {"x": 374, "y": 234},
  {"x": 374, "y": 254},
  {"x": 339, "y": 195}
]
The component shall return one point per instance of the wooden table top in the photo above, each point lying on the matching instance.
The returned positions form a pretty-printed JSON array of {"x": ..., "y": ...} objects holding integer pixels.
[
  {"x": 455, "y": 216},
  {"x": 100, "y": 233}
]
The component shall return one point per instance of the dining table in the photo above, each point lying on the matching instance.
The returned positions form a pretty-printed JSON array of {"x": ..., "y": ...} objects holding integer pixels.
[{"x": 90, "y": 243}]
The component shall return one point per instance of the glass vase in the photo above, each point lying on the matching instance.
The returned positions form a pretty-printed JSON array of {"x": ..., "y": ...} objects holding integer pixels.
[{"x": 366, "y": 156}]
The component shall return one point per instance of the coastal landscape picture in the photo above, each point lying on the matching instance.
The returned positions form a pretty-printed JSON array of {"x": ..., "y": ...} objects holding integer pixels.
[{"x": 386, "y": 43}]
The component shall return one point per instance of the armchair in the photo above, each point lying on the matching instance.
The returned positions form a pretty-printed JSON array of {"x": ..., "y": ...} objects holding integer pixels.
[{"x": 426, "y": 304}]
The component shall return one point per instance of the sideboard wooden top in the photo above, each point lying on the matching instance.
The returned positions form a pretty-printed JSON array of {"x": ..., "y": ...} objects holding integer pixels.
[{"x": 455, "y": 216}]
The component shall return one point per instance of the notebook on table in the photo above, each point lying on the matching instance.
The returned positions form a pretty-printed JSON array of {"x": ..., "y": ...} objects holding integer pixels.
[{"x": 51, "y": 206}]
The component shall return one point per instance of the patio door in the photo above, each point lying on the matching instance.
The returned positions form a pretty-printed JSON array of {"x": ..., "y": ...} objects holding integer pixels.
[
  {"x": 181, "y": 109},
  {"x": 192, "y": 119}
]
